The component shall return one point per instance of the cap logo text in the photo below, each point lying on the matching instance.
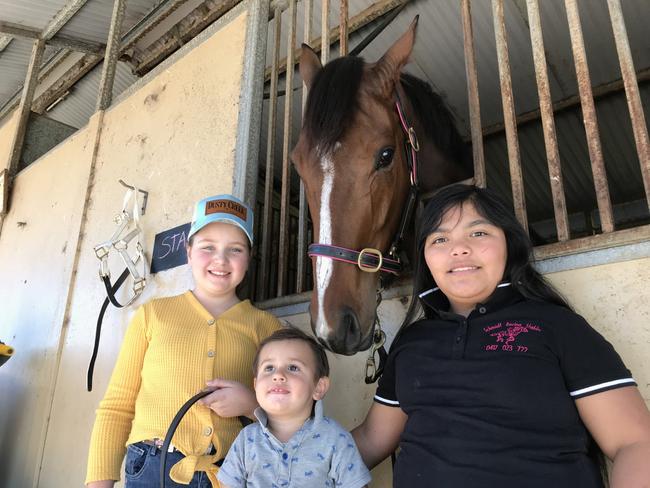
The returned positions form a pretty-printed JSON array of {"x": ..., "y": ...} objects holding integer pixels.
[{"x": 226, "y": 206}]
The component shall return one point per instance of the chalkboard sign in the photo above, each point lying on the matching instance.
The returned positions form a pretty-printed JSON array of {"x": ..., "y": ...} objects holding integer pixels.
[{"x": 169, "y": 248}]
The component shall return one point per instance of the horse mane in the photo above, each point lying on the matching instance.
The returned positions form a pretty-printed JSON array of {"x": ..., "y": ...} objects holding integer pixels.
[
  {"x": 333, "y": 101},
  {"x": 438, "y": 121}
]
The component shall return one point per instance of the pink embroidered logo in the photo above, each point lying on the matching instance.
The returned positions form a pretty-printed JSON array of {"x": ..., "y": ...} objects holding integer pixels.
[{"x": 506, "y": 334}]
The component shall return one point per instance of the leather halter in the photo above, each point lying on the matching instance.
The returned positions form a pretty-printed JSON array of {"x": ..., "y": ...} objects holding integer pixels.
[{"x": 373, "y": 260}]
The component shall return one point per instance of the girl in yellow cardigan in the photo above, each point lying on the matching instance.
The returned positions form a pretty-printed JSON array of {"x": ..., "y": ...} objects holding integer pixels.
[{"x": 174, "y": 347}]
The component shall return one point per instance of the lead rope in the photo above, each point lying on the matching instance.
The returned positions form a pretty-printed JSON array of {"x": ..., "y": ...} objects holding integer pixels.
[
  {"x": 174, "y": 425},
  {"x": 373, "y": 372},
  {"x": 411, "y": 148}
]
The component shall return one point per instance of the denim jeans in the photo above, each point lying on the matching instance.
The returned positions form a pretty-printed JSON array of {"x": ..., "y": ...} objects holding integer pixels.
[{"x": 142, "y": 468}]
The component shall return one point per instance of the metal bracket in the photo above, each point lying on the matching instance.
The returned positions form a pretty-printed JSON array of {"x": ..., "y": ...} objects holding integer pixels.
[{"x": 145, "y": 194}]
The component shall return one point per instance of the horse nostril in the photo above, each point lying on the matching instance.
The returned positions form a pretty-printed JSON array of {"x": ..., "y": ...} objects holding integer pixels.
[
  {"x": 345, "y": 335},
  {"x": 351, "y": 331}
]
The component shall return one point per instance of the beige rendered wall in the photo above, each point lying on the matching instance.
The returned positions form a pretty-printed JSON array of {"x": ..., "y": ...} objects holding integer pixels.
[
  {"x": 37, "y": 249},
  {"x": 173, "y": 136},
  {"x": 614, "y": 298}
]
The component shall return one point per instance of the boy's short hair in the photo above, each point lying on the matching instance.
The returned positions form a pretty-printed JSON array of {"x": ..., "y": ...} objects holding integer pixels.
[{"x": 293, "y": 334}]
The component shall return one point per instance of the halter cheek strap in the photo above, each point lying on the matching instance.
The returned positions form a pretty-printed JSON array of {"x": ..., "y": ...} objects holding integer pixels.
[{"x": 372, "y": 260}]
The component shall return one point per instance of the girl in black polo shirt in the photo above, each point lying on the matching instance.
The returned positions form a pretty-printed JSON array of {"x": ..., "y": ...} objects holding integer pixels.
[{"x": 500, "y": 384}]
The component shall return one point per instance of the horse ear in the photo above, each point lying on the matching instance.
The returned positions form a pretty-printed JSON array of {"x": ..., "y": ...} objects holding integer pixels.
[
  {"x": 308, "y": 65},
  {"x": 389, "y": 67}
]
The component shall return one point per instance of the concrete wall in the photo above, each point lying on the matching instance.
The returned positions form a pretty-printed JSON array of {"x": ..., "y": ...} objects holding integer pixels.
[
  {"x": 37, "y": 249},
  {"x": 615, "y": 300},
  {"x": 174, "y": 135}
]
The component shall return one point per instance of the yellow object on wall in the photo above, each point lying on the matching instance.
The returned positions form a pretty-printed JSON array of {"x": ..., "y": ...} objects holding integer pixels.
[{"x": 5, "y": 352}]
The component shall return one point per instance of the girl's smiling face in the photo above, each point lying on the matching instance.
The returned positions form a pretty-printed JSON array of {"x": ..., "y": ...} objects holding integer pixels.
[
  {"x": 219, "y": 257},
  {"x": 466, "y": 256}
]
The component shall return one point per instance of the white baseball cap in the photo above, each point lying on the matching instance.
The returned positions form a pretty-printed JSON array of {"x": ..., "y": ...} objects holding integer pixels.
[{"x": 223, "y": 208}]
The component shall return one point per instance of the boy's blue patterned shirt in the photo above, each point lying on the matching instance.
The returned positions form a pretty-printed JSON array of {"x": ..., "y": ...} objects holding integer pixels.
[{"x": 320, "y": 454}]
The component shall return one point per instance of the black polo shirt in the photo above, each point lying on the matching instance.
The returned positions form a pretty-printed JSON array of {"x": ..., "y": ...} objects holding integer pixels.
[{"x": 490, "y": 398}]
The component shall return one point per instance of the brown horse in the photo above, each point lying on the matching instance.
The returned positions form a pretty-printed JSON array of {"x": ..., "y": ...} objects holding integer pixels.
[{"x": 351, "y": 158}]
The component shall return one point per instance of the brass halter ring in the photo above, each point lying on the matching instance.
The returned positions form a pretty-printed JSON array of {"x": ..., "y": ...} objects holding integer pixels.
[{"x": 372, "y": 252}]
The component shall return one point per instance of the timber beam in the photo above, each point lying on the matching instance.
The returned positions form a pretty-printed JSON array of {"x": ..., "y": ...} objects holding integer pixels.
[
  {"x": 63, "y": 84},
  {"x": 79, "y": 69},
  {"x": 179, "y": 34},
  {"x": 66, "y": 42}
]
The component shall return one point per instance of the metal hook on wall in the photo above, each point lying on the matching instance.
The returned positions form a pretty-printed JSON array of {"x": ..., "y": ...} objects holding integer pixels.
[{"x": 144, "y": 193}]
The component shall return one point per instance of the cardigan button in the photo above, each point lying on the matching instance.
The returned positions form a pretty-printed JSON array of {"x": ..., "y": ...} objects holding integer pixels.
[
  {"x": 207, "y": 431},
  {"x": 211, "y": 322},
  {"x": 210, "y": 354},
  {"x": 482, "y": 310}
]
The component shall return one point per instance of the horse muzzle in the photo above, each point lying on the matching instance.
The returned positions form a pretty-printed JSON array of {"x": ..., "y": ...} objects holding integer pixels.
[{"x": 344, "y": 336}]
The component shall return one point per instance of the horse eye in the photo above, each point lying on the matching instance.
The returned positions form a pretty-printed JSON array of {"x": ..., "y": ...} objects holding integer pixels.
[{"x": 384, "y": 157}]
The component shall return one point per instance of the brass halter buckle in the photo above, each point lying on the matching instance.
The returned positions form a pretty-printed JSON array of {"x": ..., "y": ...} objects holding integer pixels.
[
  {"x": 413, "y": 139},
  {"x": 372, "y": 252}
]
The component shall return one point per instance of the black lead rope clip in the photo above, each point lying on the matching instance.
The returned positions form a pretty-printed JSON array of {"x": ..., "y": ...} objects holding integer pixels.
[{"x": 374, "y": 371}]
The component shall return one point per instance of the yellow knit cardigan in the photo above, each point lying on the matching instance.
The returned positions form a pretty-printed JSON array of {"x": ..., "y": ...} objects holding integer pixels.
[{"x": 171, "y": 348}]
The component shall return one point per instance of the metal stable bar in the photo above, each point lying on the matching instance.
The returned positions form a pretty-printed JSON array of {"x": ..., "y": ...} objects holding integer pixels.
[
  {"x": 589, "y": 117},
  {"x": 110, "y": 58},
  {"x": 632, "y": 92},
  {"x": 599, "y": 91},
  {"x": 472, "y": 95},
  {"x": 283, "y": 255},
  {"x": 343, "y": 26},
  {"x": 302, "y": 204},
  {"x": 324, "y": 32},
  {"x": 548, "y": 121},
  {"x": 509, "y": 116},
  {"x": 358, "y": 21},
  {"x": 267, "y": 222}
]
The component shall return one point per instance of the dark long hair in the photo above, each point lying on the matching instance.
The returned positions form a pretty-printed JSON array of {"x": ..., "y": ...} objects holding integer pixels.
[{"x": 519, "y": 270}]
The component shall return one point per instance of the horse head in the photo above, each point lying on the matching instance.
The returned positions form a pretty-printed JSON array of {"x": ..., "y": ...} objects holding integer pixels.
[{"x": 350, "y": 156}]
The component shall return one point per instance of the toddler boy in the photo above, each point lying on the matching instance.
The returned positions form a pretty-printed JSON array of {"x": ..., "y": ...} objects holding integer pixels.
[{"x": 293, "y": 445}]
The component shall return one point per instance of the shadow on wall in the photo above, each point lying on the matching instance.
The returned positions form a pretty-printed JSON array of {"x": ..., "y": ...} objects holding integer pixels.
[{"x": 13, "y": 406}]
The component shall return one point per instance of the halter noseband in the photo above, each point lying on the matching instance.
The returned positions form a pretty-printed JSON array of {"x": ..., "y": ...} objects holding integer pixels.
[{"x": 373, "y": 260}]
